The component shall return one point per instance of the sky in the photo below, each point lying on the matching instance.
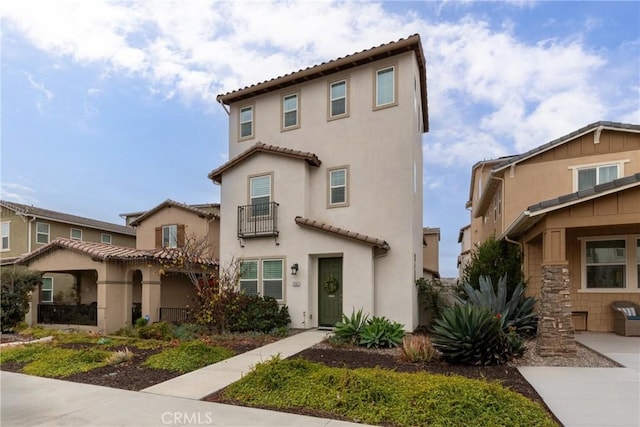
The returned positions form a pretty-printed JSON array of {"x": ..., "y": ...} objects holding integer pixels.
[{"x": 109, "y": 107}]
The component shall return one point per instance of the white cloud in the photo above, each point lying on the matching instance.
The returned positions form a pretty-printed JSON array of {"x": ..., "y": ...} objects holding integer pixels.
[
  {"x": 44, "y": 95},
  {"x": 18, "y": 193},
  {"x": 490, "y": 93}
]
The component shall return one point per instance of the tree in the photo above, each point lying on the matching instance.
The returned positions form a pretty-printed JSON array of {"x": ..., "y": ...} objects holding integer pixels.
[
  {"x": 495, "y": 259},
  {"x": 17, "y": 283}
]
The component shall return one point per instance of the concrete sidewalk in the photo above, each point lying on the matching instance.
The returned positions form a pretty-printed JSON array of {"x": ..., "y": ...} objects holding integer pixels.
[
  {"x": 598, "y": 397},
  {"x": 202, "y": 382},
  {"x": 35, "y": 401}
]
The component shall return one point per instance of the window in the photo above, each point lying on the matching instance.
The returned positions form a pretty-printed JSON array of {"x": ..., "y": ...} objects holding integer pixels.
[
  {"x": 290, "y": 111},
  {"x": 5, "y": 230},
  {"x": 590, "y": 177},
  {"x": 338, "y": 187},
  {"x": 42, "y": 232},
  {"x": 497, "y": 205},
  {"x": 105, "y": 238},
  {"x": 262, "y": 277},
  {"x": 260, "y": 195},
  {"x": 338, "y": 99},
  {"x": 385, "y": 87},
  {"x": 170, "y": 236},
  {"x": 606, "y": 264},
  {"x": 76, "y": 234},
  {"x": 47, "y": 289},
  {"x": 246, "y": 122}
]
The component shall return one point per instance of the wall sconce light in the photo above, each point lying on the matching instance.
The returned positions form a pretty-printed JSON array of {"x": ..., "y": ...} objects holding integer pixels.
[{"x": 294, "y": 269}]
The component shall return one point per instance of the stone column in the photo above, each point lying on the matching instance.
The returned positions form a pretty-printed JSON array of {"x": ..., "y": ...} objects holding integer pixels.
[{"x": 555, "y": 324}]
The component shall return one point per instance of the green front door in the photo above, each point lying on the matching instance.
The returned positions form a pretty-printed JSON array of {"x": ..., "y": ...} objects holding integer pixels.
[{"x": 329, "y": 291}]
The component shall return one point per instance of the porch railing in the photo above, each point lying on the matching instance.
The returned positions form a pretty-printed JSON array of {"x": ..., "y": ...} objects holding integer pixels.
[
  {"x": 68, "y": 314},
  {"x": 258, "y": 220},
  {"x": 175, "y": 315}
]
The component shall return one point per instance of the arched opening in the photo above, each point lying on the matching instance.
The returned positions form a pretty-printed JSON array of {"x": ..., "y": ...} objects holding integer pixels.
[{"x": 68, "y": 298}]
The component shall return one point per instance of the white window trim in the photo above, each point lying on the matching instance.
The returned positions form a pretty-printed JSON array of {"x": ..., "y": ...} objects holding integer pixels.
[
  {"x": 102, "y": 238},
  {"x": 251, "y": 178},
  {"x": 631, "y": 264},
  {"x": 394, "y": 101},
  {"x": 297, "y": 110},
  {"x": 260, "y": 278},
  {"x": 574, "y": 169},
  {"x": 330, "y": 114},
  {"x": 74, "y": 238},
  {"x": 52, "y": 286},
  {"x": 252, "y": 121},
  {"x": 169, "y": 226},
  {"x": 330, "y": 187},
  {"x": 48, "y": 233},
  {"x": 8, "y": 236}
]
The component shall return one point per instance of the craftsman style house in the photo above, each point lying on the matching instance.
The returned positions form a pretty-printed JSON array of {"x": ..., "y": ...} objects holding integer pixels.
[
  {"x": 321, "y": 199},
  {"x": 573, "y": 205},
  {"x": 113, "y": 285}
]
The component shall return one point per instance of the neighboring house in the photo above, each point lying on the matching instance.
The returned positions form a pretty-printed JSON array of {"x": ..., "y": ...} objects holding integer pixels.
[
  {"x": 573, "y": 205},
  {"x": 321, "y": 199},
  {"x": 431, "y": 253},
  {"x": 113, "y": 285},
  {"x": 464, "y": 238},
  {"x": 27, "y": 228}
]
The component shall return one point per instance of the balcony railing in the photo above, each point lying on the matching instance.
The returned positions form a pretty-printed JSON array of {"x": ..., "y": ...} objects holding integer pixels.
[
  {"x": 68, "y": 314},
  {"x": 175, "y": 315},
  {"x": 258, "y": 220}
]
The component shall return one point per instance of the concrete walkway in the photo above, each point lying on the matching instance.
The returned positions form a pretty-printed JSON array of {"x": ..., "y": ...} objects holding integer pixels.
[
  {"x": 598, "y": 397},
  {"x": 202, "y": 382}
]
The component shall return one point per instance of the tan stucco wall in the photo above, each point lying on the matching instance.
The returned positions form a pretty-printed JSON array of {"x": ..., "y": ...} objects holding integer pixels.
[
  {"x": 177, "y": 292},
  {"x": 380, "y": 149},
  {"x": 431, "y": 252},
  {"x": 17, "y": 234}
]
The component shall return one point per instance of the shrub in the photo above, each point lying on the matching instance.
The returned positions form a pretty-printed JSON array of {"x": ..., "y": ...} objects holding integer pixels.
[
  {"x": 16, "y": 284},
  {"x": 120, "y": 356},
  {"x": 417, "y": 348},
  {"x": 260, "y": 314},
  {"x": 381, "y": 332},
  {"x": 350, "y": 328},
  {"x": 471, "y": 335},
  {"x": 431, "y": 295},
  {"x": 515, "y": 312},
  {"x": 187, "y": 331},
  {"x": 495, "y": 259},
  {"x": 156, "y": 331},
  {"x": 141, "y": 321},
  {"x": 188, "y": 356}
]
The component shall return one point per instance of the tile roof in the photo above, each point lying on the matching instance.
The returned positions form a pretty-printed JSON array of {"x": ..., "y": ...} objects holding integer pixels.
[
  {"x": 352, "y": 235},
  {"x": 259, "y": 147},
  {"x": 104, "y": 252},
  {"x": 170, "y": 203},
  {"x": 411, "y": 43},
  {"x": 587, "y": 193},
  {"x": 566, "y": 138},
  {"x": 67, "y": 218}
]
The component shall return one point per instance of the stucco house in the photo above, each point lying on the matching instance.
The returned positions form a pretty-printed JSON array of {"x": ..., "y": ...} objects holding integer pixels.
[
  {"x": 113, "y": 285},
  {"x": 573, "y": 205},
  {"x": 321, "y": 199},
  {"x": 431, "y": 252}
]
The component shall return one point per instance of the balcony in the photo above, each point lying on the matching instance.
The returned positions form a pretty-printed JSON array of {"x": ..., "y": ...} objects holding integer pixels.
[{"x": 258, "y": 220}]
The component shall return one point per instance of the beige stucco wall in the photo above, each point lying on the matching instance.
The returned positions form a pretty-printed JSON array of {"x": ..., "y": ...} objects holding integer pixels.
[
  {"x": 177, "y": 292},
  {"x": 146, "y": 231},
  {"x": 431, "y": 252},
  {"x": 381, "y": 148}
]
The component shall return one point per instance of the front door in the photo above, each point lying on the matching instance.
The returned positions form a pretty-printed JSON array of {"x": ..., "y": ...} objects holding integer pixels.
[{"x": 329, "y": 291}]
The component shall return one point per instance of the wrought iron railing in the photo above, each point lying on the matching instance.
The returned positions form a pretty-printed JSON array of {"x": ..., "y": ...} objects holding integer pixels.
[
  {"x": 258, "y": 220},
  {"x": 82, "y": 314},
  {"x": 175, "y": 315}
]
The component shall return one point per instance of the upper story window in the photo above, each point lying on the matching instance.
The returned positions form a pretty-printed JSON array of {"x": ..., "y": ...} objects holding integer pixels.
[
  {"x": 105, "y": 238},
  {"x": 290, "y": 115},
  {"x": 5, "y": 230},
  {"x": 338, "y": 187},
  {"x": 260, "y": 194},
  {"x": 497, "y": 205},
  {"x": 246, "y": 122},
  {"x": 385, "y": 87},
  {"x": 170, "y": 236},
  {"x": 587, "y": 176},
  {"x": 76, "y": 234},
  {"x": 42, "y": 233},
  {"x": 338, "y": 99}
]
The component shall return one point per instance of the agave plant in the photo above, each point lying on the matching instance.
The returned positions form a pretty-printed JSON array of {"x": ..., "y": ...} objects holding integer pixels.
[
  {"x": 472, "y": 335},
  {"x": 380, "y": 332},
  {"x": 350, "y": 328},
  {"x": 516, "y": 312}
]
